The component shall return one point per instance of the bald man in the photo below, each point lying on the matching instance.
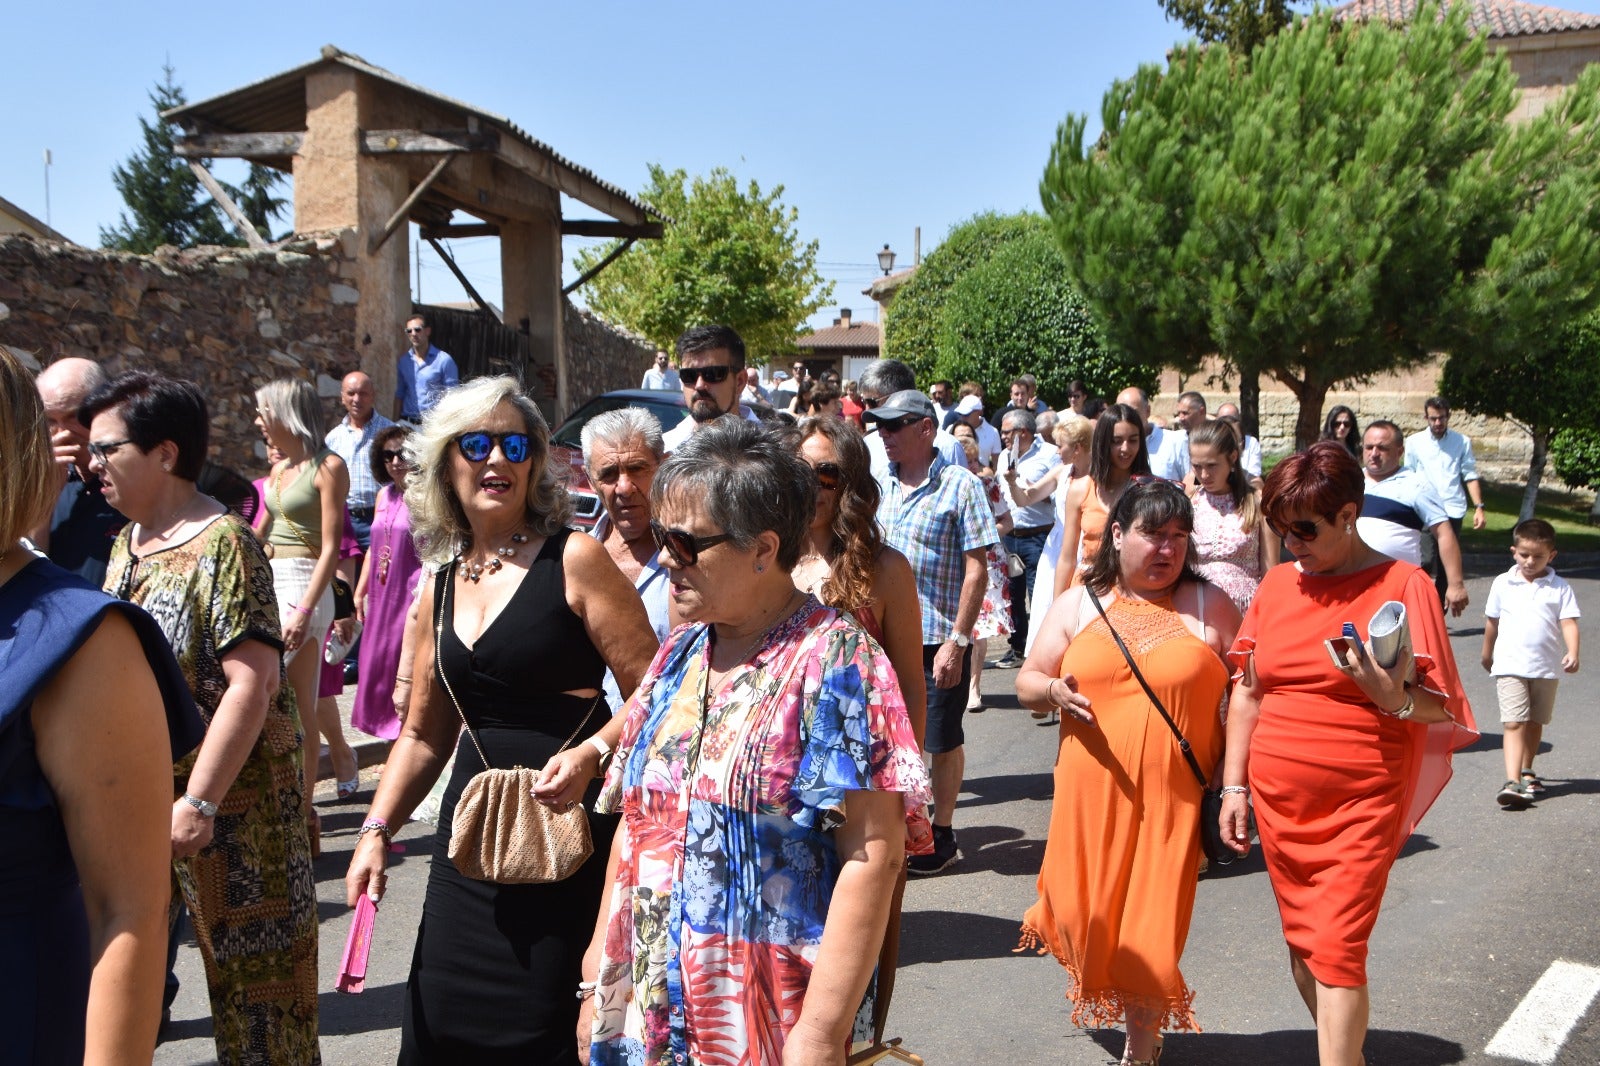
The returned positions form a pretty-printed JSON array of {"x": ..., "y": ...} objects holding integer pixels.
[
  {"x": 83, "y": 526},
  {"x": 351, "y": 440}
]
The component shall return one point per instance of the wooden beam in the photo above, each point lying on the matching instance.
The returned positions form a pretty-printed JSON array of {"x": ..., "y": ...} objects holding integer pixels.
[
  {"x": 542, "y": 166},
  {"x": 237, "y": 145},
  {"x": 604, "y": 227},
  {"x": 476, "y": 229},
  {"x": 402, "y": 212},
  {"x": 590, "y": 274},
  {"x": 231, "y": 209},
  {"x": 450, "y": 262},
  {"x": 380, "y": 142}
]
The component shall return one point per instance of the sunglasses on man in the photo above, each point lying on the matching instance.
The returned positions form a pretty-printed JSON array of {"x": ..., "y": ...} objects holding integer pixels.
[
  {"x": 711, "y": 375},
  {"x": 479, "y": 444},
  {"x": 895, "y": 425},
  {"x": 684, "y": 547}
]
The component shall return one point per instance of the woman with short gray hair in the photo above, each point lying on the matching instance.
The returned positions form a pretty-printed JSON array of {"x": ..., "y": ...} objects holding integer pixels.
[{"x": 768, "y": 737}]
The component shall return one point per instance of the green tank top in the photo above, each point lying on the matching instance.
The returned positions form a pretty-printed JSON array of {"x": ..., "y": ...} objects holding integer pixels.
[{"x": 301, "y": 503}]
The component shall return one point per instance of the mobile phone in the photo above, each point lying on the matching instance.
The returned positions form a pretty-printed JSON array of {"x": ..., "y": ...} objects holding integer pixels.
[
  {"x": 1353, "y": 637},
  {"x": 1337, "y": 647}
]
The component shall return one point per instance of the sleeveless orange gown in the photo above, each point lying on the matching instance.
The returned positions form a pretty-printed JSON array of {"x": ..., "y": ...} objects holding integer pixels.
[
  {"x": 1092, "y": 518},
  {"x": 1117, "y": 887},
  {"x": 1337, "y": 786}
]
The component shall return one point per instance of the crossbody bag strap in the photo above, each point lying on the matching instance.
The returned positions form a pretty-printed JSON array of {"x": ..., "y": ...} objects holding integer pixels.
[
  {"x": 438, "y": 668},
  {"x": 277, "y": 496},
  {"x": 1183, "y": 742}
]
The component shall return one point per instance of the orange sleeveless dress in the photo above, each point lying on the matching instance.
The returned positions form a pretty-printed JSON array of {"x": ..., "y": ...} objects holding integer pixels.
[
  {"x": 1092, "y": 518},
  {"x": 1117, "y": 887},
  {"x": 1337, "y": 786}
]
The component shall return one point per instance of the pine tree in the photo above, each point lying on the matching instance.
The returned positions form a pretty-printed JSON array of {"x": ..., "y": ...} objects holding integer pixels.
[
  {"x": 1241, "y": 25},
  {"x": 166, "y": 203}
]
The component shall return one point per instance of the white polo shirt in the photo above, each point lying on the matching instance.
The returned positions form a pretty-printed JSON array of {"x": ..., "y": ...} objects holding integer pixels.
[
  {"x": 1529, "y": 643},
  {"x": 1169, "y": 452},
  {"x": 673, "y": 438}
]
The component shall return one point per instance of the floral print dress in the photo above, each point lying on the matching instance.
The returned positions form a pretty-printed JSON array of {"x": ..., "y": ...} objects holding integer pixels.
[
  {"x": 727, "y": 860},
  {"x": 1226, "y": 555},
  {"x": 994, "y": 617}
]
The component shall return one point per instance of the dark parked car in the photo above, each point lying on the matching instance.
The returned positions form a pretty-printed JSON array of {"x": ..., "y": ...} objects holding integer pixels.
[{"x": 567, "y": 441}]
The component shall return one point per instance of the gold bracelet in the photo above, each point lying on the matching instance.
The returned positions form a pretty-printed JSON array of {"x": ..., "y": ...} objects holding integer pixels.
[{"x": 401, "y": 680}]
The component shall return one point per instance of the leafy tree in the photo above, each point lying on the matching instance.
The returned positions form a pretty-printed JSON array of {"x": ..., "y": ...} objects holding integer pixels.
[
  {"x": 1576, "y": 453},
  {"x": 167, "y": 204},
  {"x": 1014, "y": 313},
  {"x": 731, "y": 255},
  {"x": 1348, "y": 201},
  {"x": 1544, "y": 391},
  {"x": 1241, "y": 25}
]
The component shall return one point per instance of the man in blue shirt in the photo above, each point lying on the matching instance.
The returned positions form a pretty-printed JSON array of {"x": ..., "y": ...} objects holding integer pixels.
[
  {"x": 351, "y": 440},
  {"x": 1445, "y": 458},
  {"x": 425, "y": 372},
  {"x": 83, "y": 526}
]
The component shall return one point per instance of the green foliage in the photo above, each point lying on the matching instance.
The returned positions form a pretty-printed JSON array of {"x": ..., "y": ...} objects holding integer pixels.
[
  {"x": 167, "y": 204},
  {"x": 1550, "y": 386},
  {"x": 1242, "y": 25},
  {"x": 732, "y": 256},
  {"x": 1015, "y": 313},
  {"x": 1576, "y": 453},
  {"x": 1348, "y": 201}
]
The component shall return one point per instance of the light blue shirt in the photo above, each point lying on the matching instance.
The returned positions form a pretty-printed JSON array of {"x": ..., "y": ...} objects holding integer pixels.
[
  {"x": 1447, "y": 463},
  {"x": 654, "y": 589},
  {"x": 418, "y": 388},
  {"x": 354, "y": 446},
  {"x": 1035, "y": 463}
]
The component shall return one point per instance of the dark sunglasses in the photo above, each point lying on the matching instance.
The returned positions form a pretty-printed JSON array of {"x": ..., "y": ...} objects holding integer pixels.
[
  {"x": 416, "y": 329},
  {"x": 390, "y": 456},
  {"x": 871, "y": 403},
  {"x": 711, "y": 375},
  {"x": 684, "y": 547},
  {"x": 895, "y": 425},
  {"x": 478, "y": 445},
  {"x": 1300, "y": 529},
  {"x": 829, "y": 476}
]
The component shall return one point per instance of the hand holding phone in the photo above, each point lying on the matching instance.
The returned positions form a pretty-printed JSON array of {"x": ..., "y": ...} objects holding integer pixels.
[{"x": 1338, "y": 647}]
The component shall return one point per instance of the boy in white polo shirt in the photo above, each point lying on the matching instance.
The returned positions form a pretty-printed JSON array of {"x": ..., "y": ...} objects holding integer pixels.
[{"x": 1538, "y": 641}]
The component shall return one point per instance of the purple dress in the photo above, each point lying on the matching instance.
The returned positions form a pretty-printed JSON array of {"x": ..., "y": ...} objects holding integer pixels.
[{"x": 393, "y": 576}]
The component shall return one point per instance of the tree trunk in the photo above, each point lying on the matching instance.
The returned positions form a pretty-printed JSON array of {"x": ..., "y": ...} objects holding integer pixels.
[
  {"x": 1541, "y": 448},
  {"x": 1311, "y": 391},
  {"x": 1250, "y": 403}
]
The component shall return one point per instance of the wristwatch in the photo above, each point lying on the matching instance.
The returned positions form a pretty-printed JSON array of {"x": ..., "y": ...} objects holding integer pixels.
[
  {"x": 960, "y": 640},
  {"x": 605, "y": 754},
  {"x": 205, "y": 807}
]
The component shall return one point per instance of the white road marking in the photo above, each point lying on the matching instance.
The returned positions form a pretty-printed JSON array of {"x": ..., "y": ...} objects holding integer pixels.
[{"x": 1540, "y": 1024}]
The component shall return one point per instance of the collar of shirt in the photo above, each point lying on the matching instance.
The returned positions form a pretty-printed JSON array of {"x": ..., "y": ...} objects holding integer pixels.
[
  {"x": 938, "y": 464},
  {"x": 1516, "y": 578}
]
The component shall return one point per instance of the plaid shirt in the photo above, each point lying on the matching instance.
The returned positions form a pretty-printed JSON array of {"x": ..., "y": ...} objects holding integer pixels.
[
  {"x": 933, "y": 525},
  {"x": 354, "y": 446}
]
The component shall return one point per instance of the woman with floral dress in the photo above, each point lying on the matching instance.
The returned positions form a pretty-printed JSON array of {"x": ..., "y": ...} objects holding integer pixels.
[
  {"x": 994, "y": 617},
  {"x": 763, "y": 776},
  {"x": 1234, "y": 547}
]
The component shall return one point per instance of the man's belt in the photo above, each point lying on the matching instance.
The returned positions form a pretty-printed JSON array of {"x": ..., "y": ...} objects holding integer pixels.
[
  {"x": 1032, "y": 531},
  {"x": 363, "y": 513}
]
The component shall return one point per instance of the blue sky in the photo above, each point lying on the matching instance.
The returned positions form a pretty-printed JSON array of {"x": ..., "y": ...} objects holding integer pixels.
[{"x": 876, "y": 118}]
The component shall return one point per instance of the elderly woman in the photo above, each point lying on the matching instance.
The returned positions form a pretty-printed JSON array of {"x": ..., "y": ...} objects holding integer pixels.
[
  {"x": 1342, "y": 759},
  {"x": 384, "y": 593},
  {"x": 764, "y": 775},
  {"x": 1117, "y": 887},
  {"x": 519, "y": 626},
  {"x": 92, "y": 708},
  {"x": 239, "y": 843},
  {"x": 303, "y": 523}
]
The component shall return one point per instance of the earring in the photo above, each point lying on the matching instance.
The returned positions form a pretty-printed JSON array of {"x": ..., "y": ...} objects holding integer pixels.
[
  {"x": 167, "y": 467},
  {"x": 761, "y": 569},
  {"x": 1348, "y": 528}
]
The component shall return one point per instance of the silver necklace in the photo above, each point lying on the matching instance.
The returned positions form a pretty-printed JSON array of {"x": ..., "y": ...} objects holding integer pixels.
[{"x": 492, "y": 565}]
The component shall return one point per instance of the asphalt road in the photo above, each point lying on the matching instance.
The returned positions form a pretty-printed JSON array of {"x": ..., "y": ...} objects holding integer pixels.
[{"x": 1479, "y": 907}]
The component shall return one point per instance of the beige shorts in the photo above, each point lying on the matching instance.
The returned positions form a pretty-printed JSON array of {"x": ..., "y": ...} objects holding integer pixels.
[{"x": 1527, "y": 699}]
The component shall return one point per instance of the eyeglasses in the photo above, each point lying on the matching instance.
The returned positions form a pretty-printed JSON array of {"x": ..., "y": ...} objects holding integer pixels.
[
  {"x": 1343, "y": 423},
  {"x": 102, "y": 450},
  {"x": 416, "y": 329},
  {"x": 711, "y": 375},
  {"x": 871, "y": 403},
  {"x": 479, "y": 444},
  {"x": 682, "y": 546},
  {"x": 895, "y": 425},
  {"x": 1300, "y": 529},
  {"x": 397, "y": 456},
  {"x": 829, "y": 476}
]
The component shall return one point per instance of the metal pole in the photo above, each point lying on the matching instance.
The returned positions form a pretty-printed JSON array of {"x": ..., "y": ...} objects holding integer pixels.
[{"x": 47, "y": 188}]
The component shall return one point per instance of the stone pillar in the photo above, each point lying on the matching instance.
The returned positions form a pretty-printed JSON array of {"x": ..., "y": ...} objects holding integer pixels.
[
  {"x": 530, "y": 273},
  {"x": 337, "y": 187}
]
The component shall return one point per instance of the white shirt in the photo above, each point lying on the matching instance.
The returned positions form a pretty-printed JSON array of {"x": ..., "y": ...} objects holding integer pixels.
[
  {"x": 655, "y": 378},
  {"x": 1250, "y": 456},
  {"x": 1395, "y": 511},
  {"x": 654, "y": 588},
  {"x": 1529, "y": 643},
  {"x": 674, "y": 437},
  {"x": 989, "y": 445},
  {"x": 1035, "y": 463},
  {"x": 943, "y": 444},
  {"x": 1169, "y": 453},
  {"x": 1447, "y": 463}
]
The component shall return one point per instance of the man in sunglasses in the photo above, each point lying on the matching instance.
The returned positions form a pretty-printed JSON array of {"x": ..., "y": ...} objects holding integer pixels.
[
  {"x": 351, "y": 440},
  {"x": 881, "y": 380},
  {"x": 425, "y": 372},
  {"x": 661, "y": 375},
  {"x": 1400, "y": 505},
  {"x": 1250, "y": 451},
  {"x": 935, "y": 512},
  {"x": 711, "y": 368}
]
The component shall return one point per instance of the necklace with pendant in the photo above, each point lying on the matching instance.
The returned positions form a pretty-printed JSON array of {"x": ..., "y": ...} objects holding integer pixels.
[
  {"x": 474, "y": 572},
  {"x": 388, "y": 539}
]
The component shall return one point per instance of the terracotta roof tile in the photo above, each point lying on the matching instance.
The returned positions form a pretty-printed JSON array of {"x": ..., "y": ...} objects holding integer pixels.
[
  {"x": 1501, "y": 18},
  {"x": 856, "y": 335}
]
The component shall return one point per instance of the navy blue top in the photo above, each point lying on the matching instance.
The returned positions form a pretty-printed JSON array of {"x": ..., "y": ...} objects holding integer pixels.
[
  {"x": 46, "y": 615},
  {"x": 82, "y": 530}
]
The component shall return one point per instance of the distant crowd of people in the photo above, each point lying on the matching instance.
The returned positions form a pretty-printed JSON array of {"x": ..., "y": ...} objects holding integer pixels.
[{"x": 752, "y": 674}]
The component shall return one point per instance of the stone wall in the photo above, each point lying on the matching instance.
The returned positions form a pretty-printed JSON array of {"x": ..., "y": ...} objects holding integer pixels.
[
  {"x": 228, "y": 319},
  {"x": 601, "y": 357}
]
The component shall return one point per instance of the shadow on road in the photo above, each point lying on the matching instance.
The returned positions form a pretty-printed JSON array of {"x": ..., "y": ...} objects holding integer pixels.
[
  {"x": 1001, "y": 849},
  {"x": 1384, "y": 1047},
  {"x": 376, "y": 1009},
  {"x": 946, "y": 936},
  {"x": 1004, "y": 788}
]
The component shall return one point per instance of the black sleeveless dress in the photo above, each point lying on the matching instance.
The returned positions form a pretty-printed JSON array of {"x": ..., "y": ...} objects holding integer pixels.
[{"x": 496, "y": 967}]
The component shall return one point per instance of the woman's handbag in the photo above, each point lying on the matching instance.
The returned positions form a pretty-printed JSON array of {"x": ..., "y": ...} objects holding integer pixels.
[
  {"x": 500, "y": 832},
  {"x": 1211, "y": 843},
  {"x": 344, "y": 600}
]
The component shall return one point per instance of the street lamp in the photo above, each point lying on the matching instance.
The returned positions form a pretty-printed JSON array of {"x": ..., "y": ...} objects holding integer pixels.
[{"x": 886, "y": 260}]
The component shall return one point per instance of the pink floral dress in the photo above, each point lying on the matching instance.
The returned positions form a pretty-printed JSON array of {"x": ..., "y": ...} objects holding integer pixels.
[
  {"x": 1228, "y": 557},
  {"x": 994, "y": 617}
]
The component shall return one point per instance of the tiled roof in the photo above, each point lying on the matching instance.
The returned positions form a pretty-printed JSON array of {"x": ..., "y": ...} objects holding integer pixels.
[
  {"x": 856, "y": 335},
  {"x": 1501, "y": 18}
]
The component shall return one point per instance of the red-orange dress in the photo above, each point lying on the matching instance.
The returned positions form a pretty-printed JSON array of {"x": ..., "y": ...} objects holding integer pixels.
[
  {"x": 1338, "y": 786},
  {"x": 1116, "y": 890}
]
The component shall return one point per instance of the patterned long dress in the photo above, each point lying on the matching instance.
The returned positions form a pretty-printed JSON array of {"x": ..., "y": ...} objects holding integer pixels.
[
  {"x": 251, "y": 892},
  {"x": 727, "y": 862},
  {"x": 1227, "y": 555}
]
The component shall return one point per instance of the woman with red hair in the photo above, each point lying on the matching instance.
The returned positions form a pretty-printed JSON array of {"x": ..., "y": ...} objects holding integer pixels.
[{"x": 1342, "y": 759}]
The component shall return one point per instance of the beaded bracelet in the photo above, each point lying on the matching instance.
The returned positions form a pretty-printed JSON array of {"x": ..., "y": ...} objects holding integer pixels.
[
  {"x": 379, "y": 826},
  {"x": 1235, "y": 790},
  {"x": 297, "y": 607},
  {"x": 586, "y": 989}
]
